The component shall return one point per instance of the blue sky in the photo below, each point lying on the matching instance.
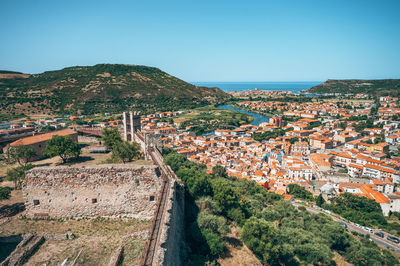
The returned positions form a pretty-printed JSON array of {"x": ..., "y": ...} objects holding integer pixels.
[{"x": 205, "y": 40}]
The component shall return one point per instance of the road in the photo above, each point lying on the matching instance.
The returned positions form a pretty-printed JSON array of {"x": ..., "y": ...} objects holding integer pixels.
[{"x": 351, "y": 227}]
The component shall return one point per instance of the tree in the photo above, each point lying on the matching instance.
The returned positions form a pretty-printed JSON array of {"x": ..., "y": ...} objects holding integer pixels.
[
  {"x": 314, "y": 253},
  {"x": 320, "y": 200},
  {"x": 166, "y": 150},
  {"x": 200, "y": 187},
  {"x": 175, "y": 160},
  {"x": 224, "y": 195},
  {"x": 342, "y": 125},
  {"x": 5, "y": 193},
  {"x": 62, "y": 146},
  {"x": 17, "y": 175},
  {"x": 217, "y": 224},
  {"x": 237, "y": 215},
  {"x": 357, "y": 209},
  {"x": 259, "y": 235},
  {"x": 20, "y": 154},
  {"x": 46, "y": 129},
  {"x": 195, "y": 181},
  {"x": 299, "y": 192},
  {"x": 126, "y": 151},
  {"x": 219, "y": 171},
  {"x": 111, "y": 137}
]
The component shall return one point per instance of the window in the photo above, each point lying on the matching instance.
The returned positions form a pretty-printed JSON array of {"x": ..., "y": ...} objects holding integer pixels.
[
  {"x": 94, "y": 200},
  {"x": 151, "y": 198},
  {"x": 36, "y": 202}
]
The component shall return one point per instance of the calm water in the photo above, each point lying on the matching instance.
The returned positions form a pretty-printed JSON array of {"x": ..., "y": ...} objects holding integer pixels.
[
  {"x": 295, "y": 87},
  {"x": 269, "y": 86},
  {"x": 258, "y": 118}
]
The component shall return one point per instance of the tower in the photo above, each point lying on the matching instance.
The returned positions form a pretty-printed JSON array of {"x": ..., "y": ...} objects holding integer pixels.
[{"x": 131, "y": 121}]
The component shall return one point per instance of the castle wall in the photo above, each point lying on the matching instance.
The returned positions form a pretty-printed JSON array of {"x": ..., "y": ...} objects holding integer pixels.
[
  {"x": 171, "y": 248},
  {"x": 93, "y": 191}
]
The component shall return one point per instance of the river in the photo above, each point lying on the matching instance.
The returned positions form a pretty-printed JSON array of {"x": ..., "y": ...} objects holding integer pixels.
[{"x": 257, "y": 118}]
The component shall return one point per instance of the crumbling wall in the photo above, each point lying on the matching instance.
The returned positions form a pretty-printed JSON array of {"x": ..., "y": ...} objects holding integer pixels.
[
  {"x": 117, "y": 190},
  {"x": 24, "y": 250}
]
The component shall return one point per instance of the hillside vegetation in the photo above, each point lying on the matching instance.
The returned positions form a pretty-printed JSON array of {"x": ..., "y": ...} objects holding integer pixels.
[
  {"x": 4, "y": 74},
  {"x": 272, "y": 228},
  {"x": 100, "y": 88},
  {"x": 379, "y": 87}
]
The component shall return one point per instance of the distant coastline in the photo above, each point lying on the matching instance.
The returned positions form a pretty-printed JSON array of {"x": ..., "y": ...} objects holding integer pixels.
[{"x": 294, "y": 86}]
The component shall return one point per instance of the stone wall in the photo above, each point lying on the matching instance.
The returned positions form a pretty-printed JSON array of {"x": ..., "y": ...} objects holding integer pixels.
[
  {"x": 117, "y": 190},
  {"x": 171, "y": 247},
  {"x": 88, "y": 139}
]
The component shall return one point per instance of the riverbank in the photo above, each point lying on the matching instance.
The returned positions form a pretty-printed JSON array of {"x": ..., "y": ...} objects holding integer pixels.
[
  {"x": 258, "y": 118},
  {"x": 253, "y": 111},
  {"x": 207, "y": 119}
]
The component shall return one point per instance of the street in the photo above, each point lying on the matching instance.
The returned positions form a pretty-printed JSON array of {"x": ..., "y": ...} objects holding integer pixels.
[{"x": 351, "y": 227}]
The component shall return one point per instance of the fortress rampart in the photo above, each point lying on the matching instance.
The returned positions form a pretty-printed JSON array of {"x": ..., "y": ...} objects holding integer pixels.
[{"x": 91, "y": 191}]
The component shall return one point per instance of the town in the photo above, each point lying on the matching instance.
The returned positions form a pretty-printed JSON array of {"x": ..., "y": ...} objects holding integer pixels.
[
  {"x": 326, "y": 147},
  {"x": 320, "y": 148},
  {"x": 200, "y": 133}
]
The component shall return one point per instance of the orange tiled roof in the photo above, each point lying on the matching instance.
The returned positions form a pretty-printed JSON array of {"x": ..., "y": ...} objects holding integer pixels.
[{"x": 42, "y": 137}]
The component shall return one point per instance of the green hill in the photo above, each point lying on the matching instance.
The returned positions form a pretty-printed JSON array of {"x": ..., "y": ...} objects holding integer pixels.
[
  {"x": 378, "y": 87},
  {"x": 100, "y": 88}
]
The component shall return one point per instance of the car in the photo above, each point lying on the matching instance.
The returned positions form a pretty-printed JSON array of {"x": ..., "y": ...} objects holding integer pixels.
[
  {"x": 343, "y": 224},
  {"x": 393, "y": 239},
  {"x": 380, "y": 234},
  {"x": 369, "y": 230}
]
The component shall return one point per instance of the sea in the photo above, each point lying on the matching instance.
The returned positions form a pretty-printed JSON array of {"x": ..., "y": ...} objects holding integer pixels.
[{"x": 295, "y": 86}]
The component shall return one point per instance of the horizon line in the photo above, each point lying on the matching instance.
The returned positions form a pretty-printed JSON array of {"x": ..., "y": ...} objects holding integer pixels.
[{"x": 279, "y": 81}]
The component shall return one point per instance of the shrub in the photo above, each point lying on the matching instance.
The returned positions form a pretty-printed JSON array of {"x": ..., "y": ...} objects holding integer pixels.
[
  {"x": 216, "y": 224},
  {"x": 5, "y": 193}
]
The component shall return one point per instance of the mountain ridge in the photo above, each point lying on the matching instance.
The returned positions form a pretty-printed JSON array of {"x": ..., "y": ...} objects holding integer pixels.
[
  {"x": 101, "y": 88},
  {"x": 373, "y": 87}
]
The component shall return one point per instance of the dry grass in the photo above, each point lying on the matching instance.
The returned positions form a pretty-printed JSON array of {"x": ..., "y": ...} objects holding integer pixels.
[
  {"x": 97, "y": 238},
  {"x": 339, "y": 260},
  {"x": 237, "y": 252}
]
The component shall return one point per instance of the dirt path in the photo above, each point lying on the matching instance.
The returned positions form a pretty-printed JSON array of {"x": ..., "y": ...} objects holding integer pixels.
[{"x": 238, "y": 253}]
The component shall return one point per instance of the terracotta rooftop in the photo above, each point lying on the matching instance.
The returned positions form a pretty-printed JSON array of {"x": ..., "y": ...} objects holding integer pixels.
[{"x": 42, "y": 137}]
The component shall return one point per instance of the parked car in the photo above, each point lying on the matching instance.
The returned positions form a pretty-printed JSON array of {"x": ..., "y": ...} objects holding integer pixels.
[
  {"x": 393, "y": 239},
  {"x": 343, "y": 224},
  {"x": 380, "y": 234},
  {"x": 369, "y": 230}
]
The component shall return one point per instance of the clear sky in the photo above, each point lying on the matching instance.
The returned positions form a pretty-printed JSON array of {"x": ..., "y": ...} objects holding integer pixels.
[{"x": 205, "y": 40}]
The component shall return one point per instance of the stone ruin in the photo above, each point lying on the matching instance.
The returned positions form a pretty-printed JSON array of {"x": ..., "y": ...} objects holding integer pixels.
[{"x": 91, "y": 191}]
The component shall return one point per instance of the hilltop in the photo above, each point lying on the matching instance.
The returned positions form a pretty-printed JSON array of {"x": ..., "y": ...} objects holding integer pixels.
[
  {"x": 99, "y": 88},
  {"x": 4, "y": 74},
  {"x": 376, "y": 87}
]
